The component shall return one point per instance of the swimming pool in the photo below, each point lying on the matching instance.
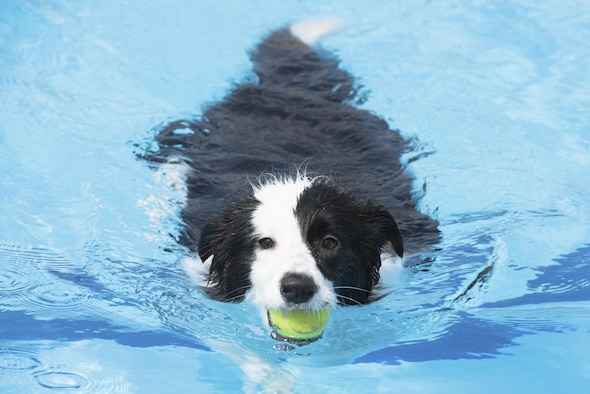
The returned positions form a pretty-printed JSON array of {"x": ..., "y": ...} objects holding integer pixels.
[{"x": 92, "y": 296}]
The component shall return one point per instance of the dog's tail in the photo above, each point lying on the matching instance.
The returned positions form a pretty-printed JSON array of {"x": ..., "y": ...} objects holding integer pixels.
[
  {"x": 286, "y": 60},
  {"x": 311, "y": 31}
]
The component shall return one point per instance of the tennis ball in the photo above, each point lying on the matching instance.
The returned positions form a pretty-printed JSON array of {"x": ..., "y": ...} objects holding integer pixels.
[{"x": 298, "y": 324}]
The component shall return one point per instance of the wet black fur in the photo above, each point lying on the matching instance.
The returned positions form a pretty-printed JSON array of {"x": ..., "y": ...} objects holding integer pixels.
[
  {"x": 299, "y": 111},
  {"x": 362, "y": 230}
]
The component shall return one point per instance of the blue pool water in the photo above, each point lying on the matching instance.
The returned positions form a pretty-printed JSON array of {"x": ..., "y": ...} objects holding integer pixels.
[{"x": 92, "y": 295}]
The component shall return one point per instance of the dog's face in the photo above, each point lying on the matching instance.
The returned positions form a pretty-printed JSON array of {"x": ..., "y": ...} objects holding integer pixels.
[{"x": 298, "y": 244}]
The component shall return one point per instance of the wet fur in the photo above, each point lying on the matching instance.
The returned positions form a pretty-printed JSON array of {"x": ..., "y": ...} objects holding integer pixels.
[{"x": 296, "y": 121}]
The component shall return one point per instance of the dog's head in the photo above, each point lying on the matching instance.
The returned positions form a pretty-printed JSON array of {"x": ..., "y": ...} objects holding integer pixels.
[{"x": 297, "y": 243}]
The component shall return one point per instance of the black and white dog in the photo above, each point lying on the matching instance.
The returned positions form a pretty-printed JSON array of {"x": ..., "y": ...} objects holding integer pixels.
[{"x": 291, "y": 190}]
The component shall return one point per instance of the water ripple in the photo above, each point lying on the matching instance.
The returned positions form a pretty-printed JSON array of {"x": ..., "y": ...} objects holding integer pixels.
[
  {"x": 58, "y": 380},
  {"x": 16, "y": 280},
  {"x": 28, "y": 281},
  {"x": 16, "y": 359},
  {"x": 82, "y": 380},
  {"x": 61, "y": 296},
  {"x": 16, "y": 363},
  {"x": 13, "y": 282}
]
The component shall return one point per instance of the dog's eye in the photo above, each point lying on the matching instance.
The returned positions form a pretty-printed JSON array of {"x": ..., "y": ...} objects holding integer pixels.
[
  {"x": 330, "y": 243},
  {"x": 266, "y": 243}
]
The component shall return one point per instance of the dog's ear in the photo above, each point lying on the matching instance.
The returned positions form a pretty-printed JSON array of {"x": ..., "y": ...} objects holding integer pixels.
[
  {"x": 228, "y": 247},
  {"x": 206, "y": 241},
  {"x": 388, "y": 231}
]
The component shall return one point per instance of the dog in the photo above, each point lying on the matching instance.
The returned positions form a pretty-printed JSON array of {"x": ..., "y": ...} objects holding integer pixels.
[{"x": 291, "y": 189}]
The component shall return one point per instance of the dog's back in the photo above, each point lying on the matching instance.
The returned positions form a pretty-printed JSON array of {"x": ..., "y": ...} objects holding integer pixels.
[{"x": 299, "y": 113}]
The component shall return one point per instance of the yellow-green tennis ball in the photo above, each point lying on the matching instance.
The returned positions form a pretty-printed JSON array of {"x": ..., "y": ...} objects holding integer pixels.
[{"x": 298, "y": 323}]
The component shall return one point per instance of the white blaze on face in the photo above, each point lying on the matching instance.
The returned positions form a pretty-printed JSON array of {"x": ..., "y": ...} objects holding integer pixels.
[{"x": 275, "y": 219}]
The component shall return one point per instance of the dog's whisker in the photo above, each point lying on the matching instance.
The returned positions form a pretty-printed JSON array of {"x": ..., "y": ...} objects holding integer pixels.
[
  {"x": 354, "y": 301},
  {"x": 351, "y": 288},
  {"x": 230, "y": 299},
  {"x": 229, "y": 296}
]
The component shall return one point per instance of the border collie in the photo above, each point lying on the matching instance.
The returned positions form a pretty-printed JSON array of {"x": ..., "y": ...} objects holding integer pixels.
[{"x": 291, "y": 189}]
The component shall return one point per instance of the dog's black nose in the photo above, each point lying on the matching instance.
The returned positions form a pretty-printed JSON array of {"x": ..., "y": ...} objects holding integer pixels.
[{"x": 297, "y": 288}]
